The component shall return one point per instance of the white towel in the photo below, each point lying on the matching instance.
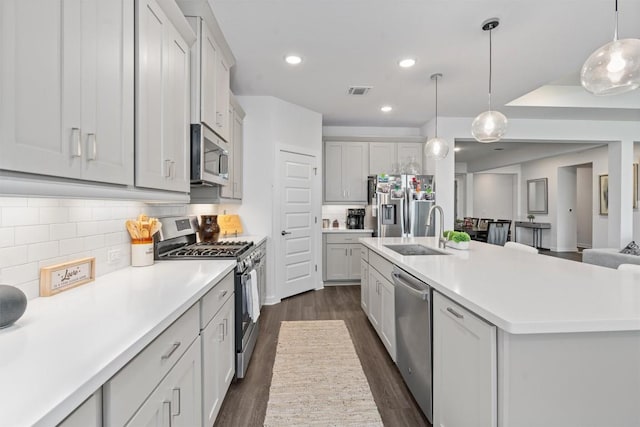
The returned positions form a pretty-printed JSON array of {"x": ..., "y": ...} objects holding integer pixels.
[{"x": 255, "y": 298}]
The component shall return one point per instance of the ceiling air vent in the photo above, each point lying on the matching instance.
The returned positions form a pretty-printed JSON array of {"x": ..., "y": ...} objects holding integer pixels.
[{"x": 358, "y": 90}]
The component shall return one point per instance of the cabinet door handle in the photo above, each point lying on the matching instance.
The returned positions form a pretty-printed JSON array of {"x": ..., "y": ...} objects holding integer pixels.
[
  {"x": 166, "y": 409},
  {"x": 345, "y": 252},
  {"x": 92, "y": 147},
  {"x": 221, "y": 333},
  {"x": 76, "y": 143},
  {"x": 167, "y": 168},
  {"x": 223, "y": 293},
  {"x": 226, "y": 327},
  {"x": 176, "y": 392},
  {"x": 455, "y": 313},
  {"x": 350, "y": 252},
  {"x": 172, "y": 350}
]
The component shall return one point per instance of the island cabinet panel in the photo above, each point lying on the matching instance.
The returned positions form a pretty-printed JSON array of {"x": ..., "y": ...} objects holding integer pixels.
[
  {"x": 382, "y": 310},
  {"x": 375, "y": 302},
  {"x": 464, "y": 367},
  {"x": 569, "y": 379},
  {"x": 88, "y": 414}
]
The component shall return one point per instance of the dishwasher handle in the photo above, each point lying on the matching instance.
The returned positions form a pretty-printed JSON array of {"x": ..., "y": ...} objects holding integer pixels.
[{"x": 410, "y": 284}]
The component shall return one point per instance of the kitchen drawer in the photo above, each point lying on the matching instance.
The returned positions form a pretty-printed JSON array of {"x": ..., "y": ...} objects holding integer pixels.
[
  {"x": 129, "y": 388},
  {"x": 345, "y": 237},
  {"x": 215, "y": 298},
  {"x": 383, "y": 266},
  {"x": 364, "y": 253}
]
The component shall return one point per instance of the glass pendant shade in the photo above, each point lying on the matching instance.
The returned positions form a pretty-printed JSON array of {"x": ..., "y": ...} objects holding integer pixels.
[
  {"x": 613, "y": 69},
  {"x": 436, "y": 148},
  {"x": 489, "y": 126}
]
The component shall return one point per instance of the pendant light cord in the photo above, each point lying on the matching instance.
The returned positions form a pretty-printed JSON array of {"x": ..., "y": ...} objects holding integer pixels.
[
  {"x": 615, "y": 31},
  {"x": 490, "y": 67},
  {"x": 436, "y": 106}
]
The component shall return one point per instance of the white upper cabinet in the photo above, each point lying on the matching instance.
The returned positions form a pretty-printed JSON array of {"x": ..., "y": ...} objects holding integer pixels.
[
  {"x": 345, "y": 171},
  {"x": 66, "y": 90},
  {"x": 382, "y": 156},
  {"x": 162, "y": 96},
  {"x": 233, "y": 190},
  {"x": 410, "y": 152},
  {"x": 211, "y": 62}
]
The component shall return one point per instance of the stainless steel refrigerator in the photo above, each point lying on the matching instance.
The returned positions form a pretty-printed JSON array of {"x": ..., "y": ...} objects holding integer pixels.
[{"x": 403, "y": 202}]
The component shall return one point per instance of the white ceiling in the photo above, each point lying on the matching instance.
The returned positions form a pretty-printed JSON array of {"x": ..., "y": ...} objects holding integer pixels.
[{"x": 358, "y": 42}]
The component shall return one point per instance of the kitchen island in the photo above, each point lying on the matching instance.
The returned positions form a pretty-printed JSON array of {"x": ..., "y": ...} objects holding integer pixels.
[{"x": 565, "y": 347}]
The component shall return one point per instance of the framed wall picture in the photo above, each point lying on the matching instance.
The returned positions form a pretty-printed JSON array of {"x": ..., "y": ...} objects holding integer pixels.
[
  {"x": 635, "y": 186},
  {"x": 604, "y": 194}
]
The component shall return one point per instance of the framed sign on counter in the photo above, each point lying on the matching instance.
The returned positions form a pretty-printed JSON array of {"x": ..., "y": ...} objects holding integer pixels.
[{"x": 62, "y": 277}]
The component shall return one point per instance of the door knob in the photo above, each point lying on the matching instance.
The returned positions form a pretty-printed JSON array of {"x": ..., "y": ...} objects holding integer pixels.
[{"x": 284, "y": 233}]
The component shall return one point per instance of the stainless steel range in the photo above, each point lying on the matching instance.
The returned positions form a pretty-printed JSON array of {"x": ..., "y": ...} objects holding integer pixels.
[{"x": 177, "y": 239}]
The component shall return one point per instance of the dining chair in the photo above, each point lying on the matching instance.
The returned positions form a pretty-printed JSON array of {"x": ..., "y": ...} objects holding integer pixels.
[
  {"x": 474, "y": 222},
  {"x": 483, "y": 223},
  {"x": 506, "y": 221},
  {"x": 630, "y": 267},
  {"x": 497, "y": 233},
  {"x": 520, "y": 247}
]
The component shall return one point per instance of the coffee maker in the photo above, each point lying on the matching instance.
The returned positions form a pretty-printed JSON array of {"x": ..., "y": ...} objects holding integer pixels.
[{"x": 355, "y": 219}]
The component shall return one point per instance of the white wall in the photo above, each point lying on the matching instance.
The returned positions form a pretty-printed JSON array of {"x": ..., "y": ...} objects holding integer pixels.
[
  {"x": 269, "y": 126},
  {"x": 494, "y": 195},
  {"x": 584, "y": 206},
  {"x": 548, "y": 168}
]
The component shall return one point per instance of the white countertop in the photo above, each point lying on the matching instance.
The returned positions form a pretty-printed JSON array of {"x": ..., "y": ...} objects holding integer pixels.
[
  {"x": 524, "y": 293},
  {"x": 66, "y": 346},
  {"x": 347, "y": 230}
]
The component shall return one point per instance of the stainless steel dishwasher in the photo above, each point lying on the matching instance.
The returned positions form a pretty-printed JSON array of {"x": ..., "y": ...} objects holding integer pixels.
[{"x": 413, "y": 337}]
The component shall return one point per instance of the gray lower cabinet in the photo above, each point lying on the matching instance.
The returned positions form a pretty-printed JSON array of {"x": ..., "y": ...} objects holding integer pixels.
[
  {"x": 88, "y": 414},
  {"x": 464, "y": 367},
  {"x": 176, "y": 400},
  {"x": 341, "y": 256}
]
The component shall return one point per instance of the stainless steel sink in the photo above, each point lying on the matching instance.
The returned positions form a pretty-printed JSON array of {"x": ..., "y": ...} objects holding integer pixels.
[{"x": 408, "y": 250}]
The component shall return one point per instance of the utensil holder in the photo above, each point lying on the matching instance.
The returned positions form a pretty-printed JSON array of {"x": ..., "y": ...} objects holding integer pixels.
[{"x": 141, "y": 252}]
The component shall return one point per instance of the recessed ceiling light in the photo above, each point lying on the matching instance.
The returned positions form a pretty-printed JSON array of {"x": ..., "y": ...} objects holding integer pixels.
[
  {"x": 406, "y": 63},
  {"x": 386, "y": 108},
  {"x": 457, "y": 149},
  {"x": 293, "y": 59}
]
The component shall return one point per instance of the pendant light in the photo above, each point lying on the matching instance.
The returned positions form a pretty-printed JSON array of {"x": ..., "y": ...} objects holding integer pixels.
[
  {"x": 614, "y": 68},
  {"x": 489, "y": 126},
  {"x": 436, "y": 147}
]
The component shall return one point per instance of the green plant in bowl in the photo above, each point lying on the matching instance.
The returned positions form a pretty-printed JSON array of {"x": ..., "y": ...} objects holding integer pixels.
[{"x": 457, "y": 236}]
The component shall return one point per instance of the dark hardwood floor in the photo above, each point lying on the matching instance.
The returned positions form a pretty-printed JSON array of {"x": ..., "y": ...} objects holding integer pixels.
[
  {"x": 573, "y": 256},
  {"x": 246, "y": 400}
]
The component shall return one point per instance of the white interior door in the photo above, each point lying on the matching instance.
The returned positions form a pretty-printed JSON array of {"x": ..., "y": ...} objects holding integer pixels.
[{"x": 296, "y": 255}]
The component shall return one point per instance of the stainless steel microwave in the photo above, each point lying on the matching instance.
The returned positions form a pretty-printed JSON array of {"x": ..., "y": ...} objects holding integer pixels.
[{"x": 209, "y": 157}]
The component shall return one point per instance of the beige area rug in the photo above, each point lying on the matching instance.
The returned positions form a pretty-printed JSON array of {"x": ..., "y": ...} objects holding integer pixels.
[{"x": 318, "y": 379}]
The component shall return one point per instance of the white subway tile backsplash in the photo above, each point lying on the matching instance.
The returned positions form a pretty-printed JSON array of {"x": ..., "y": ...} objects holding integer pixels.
[
  {"x": 13, "y": 201},
  {"x": 40, "y": 251},
  {"x": 79, "y": 213},
  {"x": 54, "y": 215},
  {"x": 30, "y": 289},
  {"x": 89, "y": 228},
  {"x": 13, "y": 256},
  {"x": 20, "y": 273},
  {"x": 63, "y": 231},
  {"x": 70, "y": 246},
  {"x": 94, "y": 242},
  {"x": 13, "y": 216},
  {"x": 39, "y": 202},
  {"x": 6, "y": 237},
  {"x": 31, "y": 234},
  {"x": 40, "y": 232}
]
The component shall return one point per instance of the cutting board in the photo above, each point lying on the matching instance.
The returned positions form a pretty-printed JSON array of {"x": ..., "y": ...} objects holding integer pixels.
[{"x": 230, "y": 225}]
